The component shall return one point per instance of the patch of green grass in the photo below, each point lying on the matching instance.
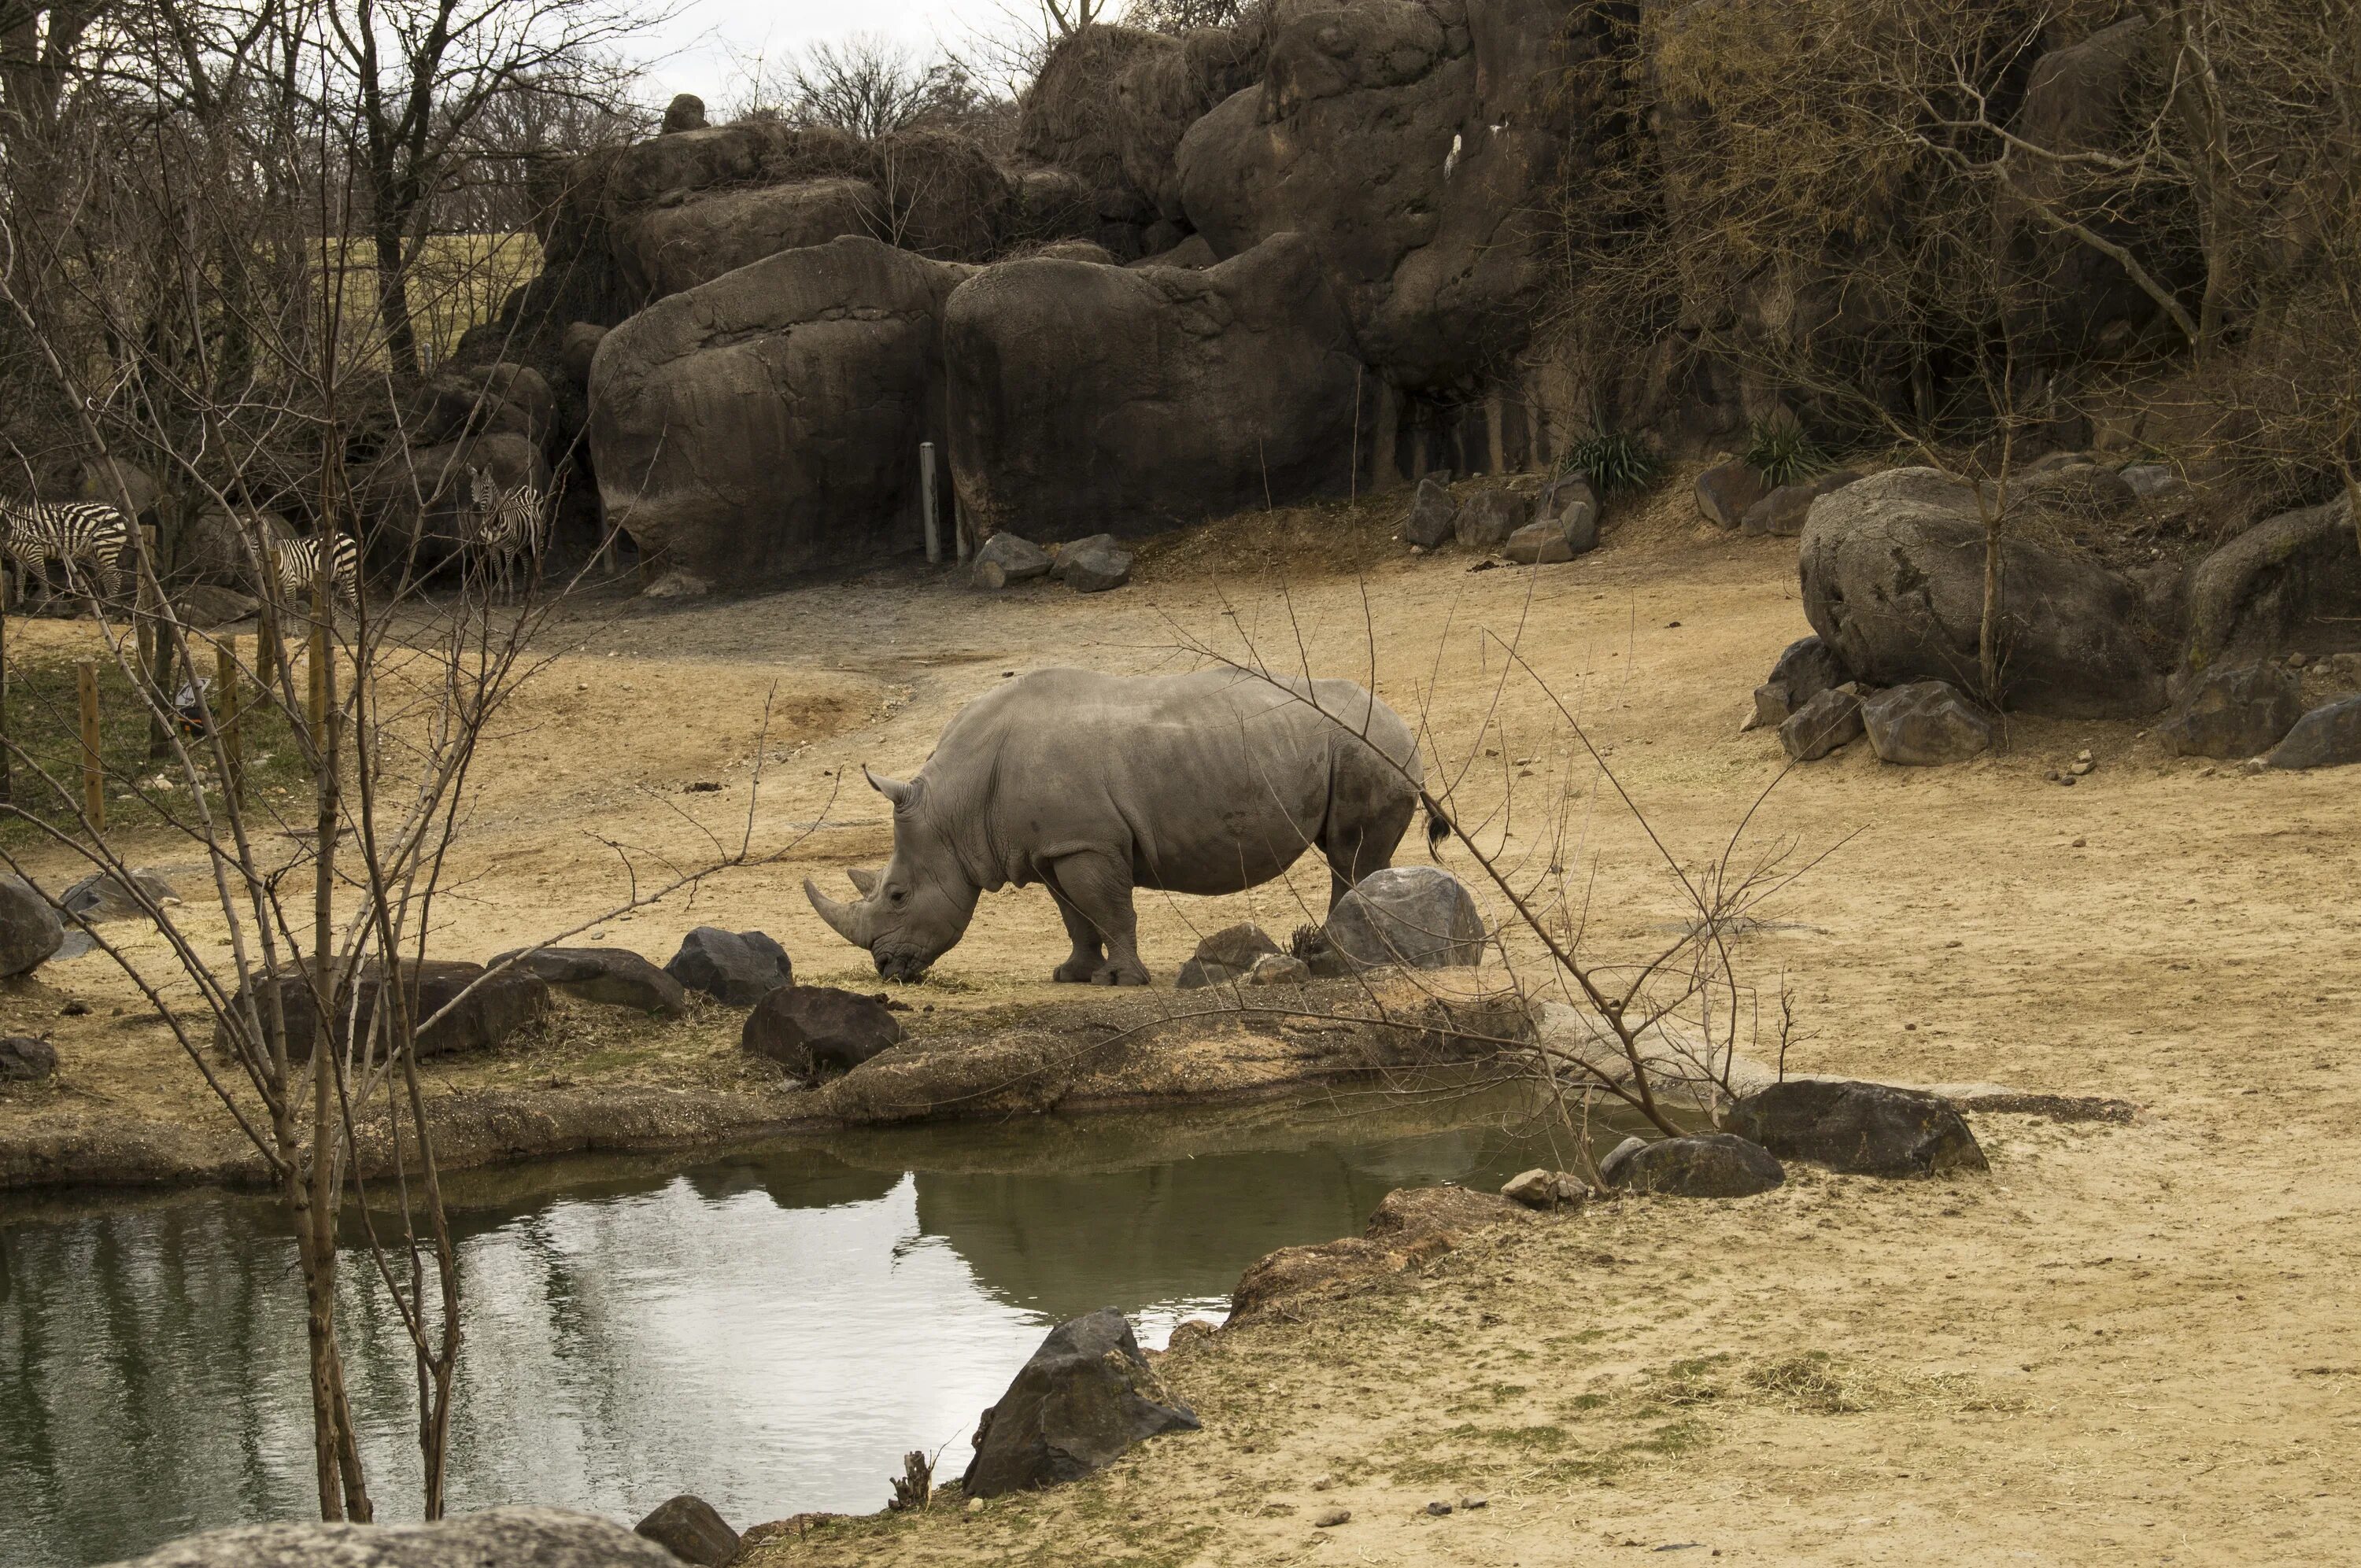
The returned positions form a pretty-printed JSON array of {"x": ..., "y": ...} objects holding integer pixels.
[
  {"x": 1780, "y": 451},
  {"x": 1540, "y": 1437},
  {"x": 1615, "y": 460},
  {"x": 44, "y": 715}
]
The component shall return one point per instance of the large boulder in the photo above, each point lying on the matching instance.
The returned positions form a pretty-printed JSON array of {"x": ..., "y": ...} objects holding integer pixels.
[
  {"x": 510, "y": 1538},
  {"x": 1708, "y": 1165},
  {"x": 1431, "y": 514},
  {"x": 2234, "y": 711},
  {"x": 1094, "y": 565},
  {"x": 1087, "y": 398},
  {"x": 1727, "y": 491},
  {"x": 498, "y": 398},
  {"x": 1414, "y": 144},
  {"x": 675, "y": 247},
  {"x": 692, "y": 1530},
  {"x": 30, "y": 930},
  {"x": 484, "y": 1010},
  {"x": 1086, "y": 1396},
  {"x": 768, "y": 422},
  {"x": 739, "y": 967},
  {"x": 2327, "y": 737},
  {"x": 1867, "y": 1129},
  {"x": 421, "y": 496},
  {"x": 1488, "y": 518},
  {"x": 1229, "y": 954},
  {"x": 610, "y": 977},
  {"x": 1005, "y": 559},
  {"x": 2290, "y": 581},
  {"x": 812, "y": 1029},
  {"x": 1419, "y": 915},
  {"x": 1924, "y": 725},
  {"x": 1893, "y": 574}
]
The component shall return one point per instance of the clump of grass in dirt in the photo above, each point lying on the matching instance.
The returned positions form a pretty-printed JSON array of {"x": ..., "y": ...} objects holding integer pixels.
[
  {"x": 1816, "y": 1382},
  {"x": 1310, "y": 540},
  {"x": 1781, "y": 451},
  {"x": 1616, "y": 462}
]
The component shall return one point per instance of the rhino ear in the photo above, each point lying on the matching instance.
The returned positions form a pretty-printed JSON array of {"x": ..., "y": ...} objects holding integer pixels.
[
  {"x": 903, "y": 795},
  {"x": 866, "y": 881}
]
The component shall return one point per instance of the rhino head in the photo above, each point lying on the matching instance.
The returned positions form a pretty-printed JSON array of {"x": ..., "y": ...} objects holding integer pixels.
[{"x": 917, "y": 909}]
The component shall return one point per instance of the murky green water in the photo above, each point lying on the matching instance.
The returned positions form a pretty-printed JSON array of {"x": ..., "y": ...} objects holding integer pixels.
[{"x": 771, "y": 1330}]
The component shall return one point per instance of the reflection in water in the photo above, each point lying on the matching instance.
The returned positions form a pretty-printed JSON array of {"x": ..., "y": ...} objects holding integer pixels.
[{"x": 770, "y": 1331}]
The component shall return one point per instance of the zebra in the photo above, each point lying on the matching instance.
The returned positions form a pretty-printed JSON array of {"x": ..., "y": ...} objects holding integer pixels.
[
  {"x": 73, "y": 532},
  {"x": 299, "y": 568},
  {"x": 505, "y": 524}
]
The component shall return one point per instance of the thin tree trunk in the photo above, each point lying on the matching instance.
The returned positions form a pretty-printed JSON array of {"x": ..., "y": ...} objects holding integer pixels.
[{"x": 393, "y": 302}]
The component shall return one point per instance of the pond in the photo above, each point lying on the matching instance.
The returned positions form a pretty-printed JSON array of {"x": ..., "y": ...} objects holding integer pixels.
[{"x": 771, "y": 1329}]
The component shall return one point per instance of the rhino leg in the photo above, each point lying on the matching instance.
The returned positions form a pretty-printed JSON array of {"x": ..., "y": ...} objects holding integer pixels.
[
  {"x": 1099, "y": 891},
  {"x": 1088, "y": 950},
  {"x": 1363, "y": 829}
]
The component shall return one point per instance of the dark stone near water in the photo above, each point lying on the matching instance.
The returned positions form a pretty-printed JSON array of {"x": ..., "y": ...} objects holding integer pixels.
[
  {"x": 104, "y": 896},
  {"x": 689, "y": 1528},
  {"x": 610, "y": 977},
  {"x": 30, "y": 931},
  {"x": 1227, "y": 955},
  {"x": 1830, "y": 720},
  {"x": 1094, "y": 565},
  {"x": 1864, "y": 1129},
  {"x": 811, "y": 1029},
  {"x": 739, "y": 967},
  {"x": 1419, "y": 915},
  {"x": 1924, "y": 725},
  {"x": 1709, "y": 1165},
  {"x": 2236, "y": 712},
  {"x": 2327, "y": 737},
  {"x": 26, "y": 1059},
  {"x": 498, "y": 1538},
  {"x": 486, "y": 1015},
  {"x": 1085, "y": 1397},
  {"x": 1431, "y": 511}
]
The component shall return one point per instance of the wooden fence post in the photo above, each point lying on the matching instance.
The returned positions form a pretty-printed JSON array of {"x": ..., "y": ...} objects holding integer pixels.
[
  {"x": 93, "y": 774},
  {"x": 224, "y": 706},
  {"x": 927, "y": 503}
]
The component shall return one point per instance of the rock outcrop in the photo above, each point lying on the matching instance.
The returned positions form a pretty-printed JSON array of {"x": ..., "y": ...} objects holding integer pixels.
[
  {"x": 1088, "y": 399},
  {"x": 1085, "y": 1397},
  {"x": 1419, "y": 915},
  {"x": 738, "y": 968},
  {"x": 767, "y": 422},
  {"x": 1869, "y": 1129}
]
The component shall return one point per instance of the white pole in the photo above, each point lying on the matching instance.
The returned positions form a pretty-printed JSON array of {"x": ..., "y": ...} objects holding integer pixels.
[{"x": 927, "y": 503}]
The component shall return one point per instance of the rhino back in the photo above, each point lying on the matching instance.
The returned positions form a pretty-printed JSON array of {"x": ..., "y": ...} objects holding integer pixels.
[{"x": 1207, "y": 783}]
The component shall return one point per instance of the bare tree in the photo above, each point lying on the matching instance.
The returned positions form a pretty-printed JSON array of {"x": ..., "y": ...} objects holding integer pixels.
[{"x": 867, "y": 84}]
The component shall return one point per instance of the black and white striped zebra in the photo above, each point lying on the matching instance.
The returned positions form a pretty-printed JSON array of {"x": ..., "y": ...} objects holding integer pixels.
[
  {"x": 299, "y": 569},
  {"x": 87, "y": 538},
  {"x": 504, "y": 526}
]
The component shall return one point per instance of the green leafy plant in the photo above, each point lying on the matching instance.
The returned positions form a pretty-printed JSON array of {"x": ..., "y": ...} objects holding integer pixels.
[
  {"x": 1780, "y": 451},
  {"x": 1615, "y": 460}
]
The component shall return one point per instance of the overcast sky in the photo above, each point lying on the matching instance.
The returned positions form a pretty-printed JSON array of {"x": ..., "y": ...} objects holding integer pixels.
[{"x": 692, "y": 53}]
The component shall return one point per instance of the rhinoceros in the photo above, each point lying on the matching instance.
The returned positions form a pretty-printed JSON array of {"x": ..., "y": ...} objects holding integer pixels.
[{"x": 1094, "y": 784}]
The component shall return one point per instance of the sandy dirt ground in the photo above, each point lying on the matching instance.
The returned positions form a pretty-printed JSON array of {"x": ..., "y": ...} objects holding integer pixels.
[{"x": 2127, "y": 1343}]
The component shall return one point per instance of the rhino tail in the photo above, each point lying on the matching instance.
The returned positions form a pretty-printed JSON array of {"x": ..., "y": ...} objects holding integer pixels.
[{"x": 1438, "y": 824}]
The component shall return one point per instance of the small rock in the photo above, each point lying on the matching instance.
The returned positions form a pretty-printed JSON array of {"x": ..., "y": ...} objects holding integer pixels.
[
  {"x": 2296, "y": 661},
  {"x": 1086, "y": 1396},
  {"x": 1280, "y": 969},
  {"x": 1540, "y": 1188},
  {"x": 812, "y": 1029},
  {"x": 1771, "y": 708},
  {"x": 1610, "y": 1167},
  {"x": 1430, "y": 514},
  {"x": 689, "y": 1528},
  {"x": 1925, "y": 724},
  {"x": 1229, "y": 954},
  {"x": 1830, "y": 720},
  {"x": 105, "y": 896},
  {"x": 2148, "y": 481},
  {"x": 1706, "y": 1165},
  {"x": 1329, "y": 1518},
  {"x": 1486, "y": 520},
  {"x": 1004, "y": 558},
  {"x": 1473, "y": 1501},
  {"x": 1807, "y": 667},
  {"x": 205, "y": 605},
  {"x": 1726, "y": 491},
  {"x": 30, "y": 931},
  {"x": 1538, "y": 545},
  {"x": 2081, "y": 769},
  {"x": 2233, "y": 713},
  {"x": 1438, "y": 1507},
  {"x": 739, "y": 967},
  {"x": 25, "y": 1058},
  {"x": 2327, "y": 737},
  {"x": 1322, "y": 1483},
  {"x": 1094, "y": 565},
  {"x": 975, "y": 1505},
  {"x": 605, "y": 977},
  {"x": 1781, "y": 512},
  {"x": 1419, "y": 915}
]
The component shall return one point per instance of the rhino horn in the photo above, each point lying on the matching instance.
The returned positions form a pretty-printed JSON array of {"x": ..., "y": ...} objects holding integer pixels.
[
  {"x": 866, "y": 881},
  {"x": 895, "y": 790},
  {"x": 850, "y": 921}
]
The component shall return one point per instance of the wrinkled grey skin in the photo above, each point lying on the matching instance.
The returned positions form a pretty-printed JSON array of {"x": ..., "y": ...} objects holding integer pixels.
[{"x": 1096, "y": 784}]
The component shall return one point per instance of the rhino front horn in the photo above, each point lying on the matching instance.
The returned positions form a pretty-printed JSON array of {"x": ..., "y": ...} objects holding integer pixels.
[{"x": 850, "y": 921}]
